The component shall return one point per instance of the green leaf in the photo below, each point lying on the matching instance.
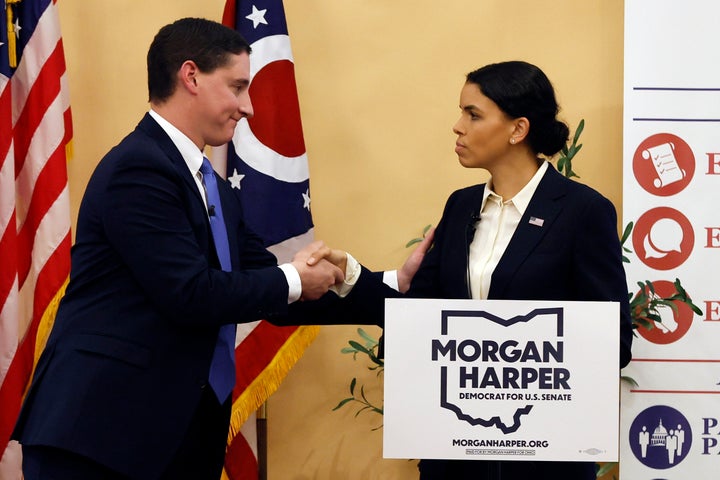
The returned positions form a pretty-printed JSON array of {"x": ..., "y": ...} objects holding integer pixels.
[
  {"x": 644, "y": 323},
  {"x": 348, "y": 350},
  {"x": 361, "y": 410},
  {"x": 605, "y": 468},
  {"x": 626, "y": 232},
  {"x": 366, "y": 336},
  {"x": 373, "y": 358},
  {"x": 413, "y": 242},
  {"x": 352, "y": 386},
  {"x": 358, "y": 347},
  {"x": 343, "y": 402},
  {"x": 579, "y": 130},
  {"x": 629, "y": 380},
  {"x": 362, "y": 394}
]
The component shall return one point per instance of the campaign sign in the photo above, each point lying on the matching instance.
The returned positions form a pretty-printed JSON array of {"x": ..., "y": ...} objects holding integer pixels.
[{"x": 501, "y": 380}]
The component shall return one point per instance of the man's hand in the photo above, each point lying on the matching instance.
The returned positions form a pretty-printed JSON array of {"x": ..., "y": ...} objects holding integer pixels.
[
  {"x": 336, "y": 257},
  {"x": 318, "y": 277},
  {"x": 412, "y": 264}
]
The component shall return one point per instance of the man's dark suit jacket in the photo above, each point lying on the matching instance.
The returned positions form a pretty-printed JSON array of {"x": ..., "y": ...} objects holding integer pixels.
[
  {"x": 574, "y": 255},
  {"x": 129, "y": 355}
]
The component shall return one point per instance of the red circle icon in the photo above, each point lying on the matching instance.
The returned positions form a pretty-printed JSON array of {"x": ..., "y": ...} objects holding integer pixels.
[
  {"x": 674, "y": 323},
  {"x": 663, "y": 238},
  {"x": 663, "y": 164}
]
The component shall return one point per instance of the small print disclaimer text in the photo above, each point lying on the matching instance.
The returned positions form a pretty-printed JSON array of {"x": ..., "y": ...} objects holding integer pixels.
[{"x": 494, "y": 451}]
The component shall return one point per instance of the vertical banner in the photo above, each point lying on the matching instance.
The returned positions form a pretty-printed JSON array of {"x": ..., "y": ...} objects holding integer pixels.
[{"x": 671, "y": 420}]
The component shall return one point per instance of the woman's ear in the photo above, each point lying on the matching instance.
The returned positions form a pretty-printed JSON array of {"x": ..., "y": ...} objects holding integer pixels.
[{"x": 521, "y": 128}]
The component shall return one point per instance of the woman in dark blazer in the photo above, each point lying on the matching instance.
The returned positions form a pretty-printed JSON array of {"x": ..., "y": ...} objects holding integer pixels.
[{"x": 527, "y": 234}]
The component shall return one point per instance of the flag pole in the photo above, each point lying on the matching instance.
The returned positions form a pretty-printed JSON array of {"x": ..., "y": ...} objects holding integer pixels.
[{"x": 261, "y": 422}]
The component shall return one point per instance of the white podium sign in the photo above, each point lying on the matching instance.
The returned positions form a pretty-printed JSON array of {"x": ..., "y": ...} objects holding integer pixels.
[{"x": 501, "y": 380}]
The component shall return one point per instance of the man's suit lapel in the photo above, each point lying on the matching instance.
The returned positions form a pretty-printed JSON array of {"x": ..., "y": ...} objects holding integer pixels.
[
  {"x": 155, "y": 131},
  {"x": 543, "y": 208}
]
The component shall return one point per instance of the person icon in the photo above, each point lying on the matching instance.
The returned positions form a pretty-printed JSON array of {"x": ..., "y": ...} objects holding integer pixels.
[
  {"x": 644, "y": 441},
  {"x": 671, "y": 445},
  {"x": 680, "y": 433}
]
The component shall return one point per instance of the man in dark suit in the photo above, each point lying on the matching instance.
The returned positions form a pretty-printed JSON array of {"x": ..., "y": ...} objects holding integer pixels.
[{"x": 122, "y": 388}]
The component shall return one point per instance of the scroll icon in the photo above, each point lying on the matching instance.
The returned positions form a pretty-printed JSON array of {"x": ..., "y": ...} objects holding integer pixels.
[{"x": 666, "y": 165}]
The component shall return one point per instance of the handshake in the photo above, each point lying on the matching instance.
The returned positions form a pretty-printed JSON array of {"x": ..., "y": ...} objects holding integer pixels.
[{"x": 321, "y": 267}]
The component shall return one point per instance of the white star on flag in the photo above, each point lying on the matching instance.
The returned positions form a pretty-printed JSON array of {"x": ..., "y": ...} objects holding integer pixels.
[
  {"x": 257, "y": 16},
  {"x": 17, "y": 27},
  {"x": 306, "y": 199},
  {"x": 235, "y": 179}
]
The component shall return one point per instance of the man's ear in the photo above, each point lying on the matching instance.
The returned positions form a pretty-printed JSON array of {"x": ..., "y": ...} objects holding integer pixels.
[{"x": 187, "y": 76}]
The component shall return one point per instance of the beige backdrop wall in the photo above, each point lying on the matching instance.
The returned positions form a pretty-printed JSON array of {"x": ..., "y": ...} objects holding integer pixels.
[{"x": 378, "y": 84}]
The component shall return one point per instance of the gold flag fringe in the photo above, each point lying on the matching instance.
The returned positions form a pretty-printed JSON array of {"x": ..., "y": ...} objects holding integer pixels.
[
  {"x": 46, "y": 323},
  {"x": 268, "y": 381}
]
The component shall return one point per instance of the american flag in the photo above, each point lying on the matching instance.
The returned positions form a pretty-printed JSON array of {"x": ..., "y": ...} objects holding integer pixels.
[
  {"x": 267, "y": 162},
  {"x": 35, "y": 133},
  {"x": 538, "y": 222}
]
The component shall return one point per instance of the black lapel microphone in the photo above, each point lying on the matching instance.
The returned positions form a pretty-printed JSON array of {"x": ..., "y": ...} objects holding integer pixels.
[{"x": 211, "y": 210}]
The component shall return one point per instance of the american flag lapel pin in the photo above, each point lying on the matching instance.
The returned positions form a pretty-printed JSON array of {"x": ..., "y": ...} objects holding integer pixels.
[{"x": 538, "y": 222}]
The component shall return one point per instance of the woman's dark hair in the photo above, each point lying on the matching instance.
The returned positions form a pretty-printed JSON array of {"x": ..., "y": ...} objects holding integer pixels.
[
  {"x": 205, "y": 42},
  {"x": 521, "y": 89}
]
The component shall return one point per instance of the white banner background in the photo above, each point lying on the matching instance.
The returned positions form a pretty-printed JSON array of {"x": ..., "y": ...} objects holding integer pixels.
[{"x": 670, "y": 425}]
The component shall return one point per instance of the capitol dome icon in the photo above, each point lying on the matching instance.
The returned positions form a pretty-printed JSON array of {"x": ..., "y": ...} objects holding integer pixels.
[{"x": 659, "y": 436}]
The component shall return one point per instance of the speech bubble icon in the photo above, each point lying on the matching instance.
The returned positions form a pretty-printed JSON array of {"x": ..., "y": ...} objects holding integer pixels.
[{"x": 665, "y": 236}]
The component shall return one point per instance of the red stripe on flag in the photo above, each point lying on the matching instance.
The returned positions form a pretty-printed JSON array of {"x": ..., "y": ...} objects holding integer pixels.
[
  {"x": 256, "y": 351},
  {"x": 228, "y": 18},
  {"x": 5, "y": 122},
  {"x": 46, "y": 190},
  {"x": 8, "y": 260},
  {"x": 43, "y": 92}
]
